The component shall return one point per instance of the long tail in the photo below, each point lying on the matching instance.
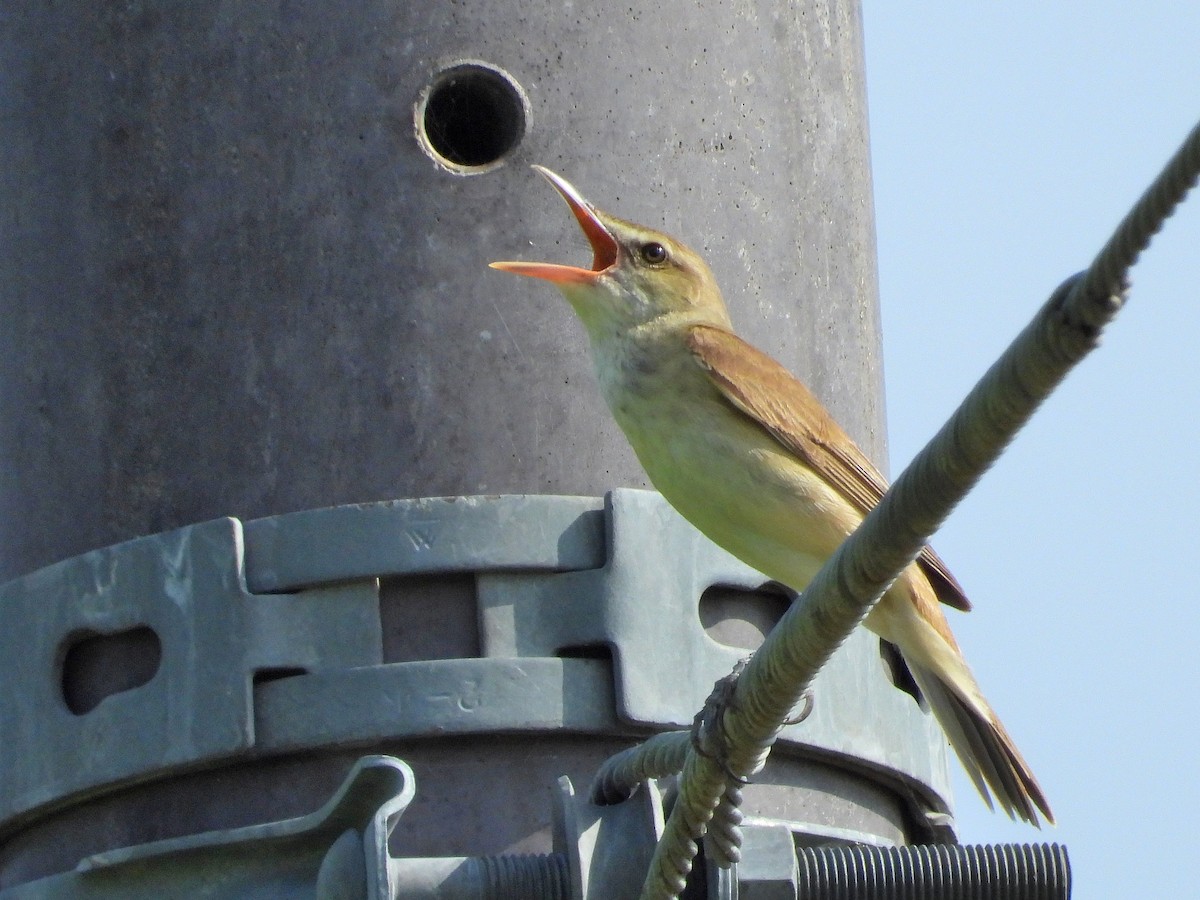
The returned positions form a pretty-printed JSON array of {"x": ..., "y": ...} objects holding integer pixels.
[{"x": 987, "y": 752}]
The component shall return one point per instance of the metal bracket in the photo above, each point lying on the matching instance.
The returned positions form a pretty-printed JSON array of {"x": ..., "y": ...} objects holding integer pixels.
[
  {"x": 298, "y": 593},
  {"x": 189, "y": 587},
  {"x": 340, "y": 852}
]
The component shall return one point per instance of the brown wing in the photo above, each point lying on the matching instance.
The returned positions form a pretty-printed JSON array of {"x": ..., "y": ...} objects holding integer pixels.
[{"x": 787, "y": 410}]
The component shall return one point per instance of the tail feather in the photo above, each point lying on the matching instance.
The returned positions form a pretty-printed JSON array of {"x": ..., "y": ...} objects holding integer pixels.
[{"x": 988, "y": 754}]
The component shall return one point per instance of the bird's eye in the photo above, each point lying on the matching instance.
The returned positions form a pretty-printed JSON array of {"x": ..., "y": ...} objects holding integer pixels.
[{"x": 654, "y": 253}]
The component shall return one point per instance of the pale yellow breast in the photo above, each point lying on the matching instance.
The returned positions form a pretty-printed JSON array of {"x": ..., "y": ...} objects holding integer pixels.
[{"x": 726, "y": 475}]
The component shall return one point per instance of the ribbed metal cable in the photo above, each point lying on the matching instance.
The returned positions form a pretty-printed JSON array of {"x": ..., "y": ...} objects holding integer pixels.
[
  {"x": 723, "y": 840},
  {"x": 660, "y": 756},
  {"x": 842, "y": 593},
  {"x": 1113, "y": 262},
  {"x": 656, "y": 757}
]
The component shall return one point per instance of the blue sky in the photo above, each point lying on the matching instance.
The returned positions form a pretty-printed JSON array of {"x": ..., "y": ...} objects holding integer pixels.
[{"x": 1007, "y": 140}]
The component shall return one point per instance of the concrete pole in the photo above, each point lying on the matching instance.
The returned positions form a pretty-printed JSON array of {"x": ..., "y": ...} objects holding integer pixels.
[
  {"x": 243, "y": 272},
  {"x": 236, "y": 283}
]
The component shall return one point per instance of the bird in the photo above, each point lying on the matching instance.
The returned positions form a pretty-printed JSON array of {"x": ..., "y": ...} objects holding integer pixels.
[{"x": 745, "y": 452}]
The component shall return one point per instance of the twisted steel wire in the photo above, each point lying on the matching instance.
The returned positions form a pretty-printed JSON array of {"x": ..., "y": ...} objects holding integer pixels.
[
  {"x": 1132, "y": 236},
  {"x": 656, "y": 757},
  {"x": 723, "y": 840}
]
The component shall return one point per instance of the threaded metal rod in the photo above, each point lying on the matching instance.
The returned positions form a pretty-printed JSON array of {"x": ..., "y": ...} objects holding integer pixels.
[
  {"x": 523, "y": 877},
  {"x": 509, "y": 877},
  {"x": 935, "y": 872}
]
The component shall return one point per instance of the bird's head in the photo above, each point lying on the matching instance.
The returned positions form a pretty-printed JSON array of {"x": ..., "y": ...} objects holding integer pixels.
[{"x": 637, "y": 276}]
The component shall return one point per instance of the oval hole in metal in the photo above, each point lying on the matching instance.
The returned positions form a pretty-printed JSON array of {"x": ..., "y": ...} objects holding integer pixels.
[
  {"x": 96, "y": 666},
  {"x": 741, "y": 617}
]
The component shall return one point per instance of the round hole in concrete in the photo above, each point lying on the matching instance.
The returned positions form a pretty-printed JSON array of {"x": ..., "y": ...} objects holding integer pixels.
[{"x": 471, "y": 116}]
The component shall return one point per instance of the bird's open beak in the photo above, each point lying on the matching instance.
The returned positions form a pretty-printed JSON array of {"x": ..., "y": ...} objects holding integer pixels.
[{"x": 604, "y": 245}]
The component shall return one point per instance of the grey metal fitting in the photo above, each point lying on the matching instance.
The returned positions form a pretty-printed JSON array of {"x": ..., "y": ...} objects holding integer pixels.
[
  {"x": 341, "y": 852},
  {"x": 767, "y": 869},
  {"x": 282, "y": 637}
]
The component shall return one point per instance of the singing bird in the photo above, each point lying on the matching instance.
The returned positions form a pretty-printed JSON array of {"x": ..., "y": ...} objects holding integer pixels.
[{"x": 746, "y": 453}]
